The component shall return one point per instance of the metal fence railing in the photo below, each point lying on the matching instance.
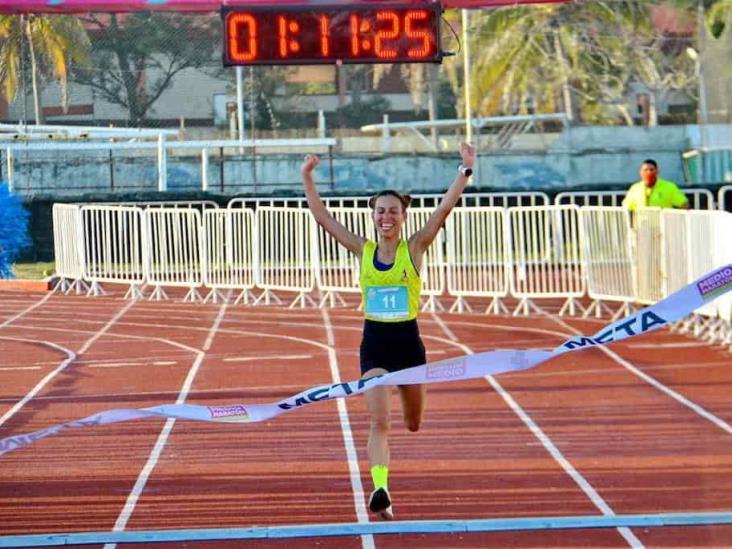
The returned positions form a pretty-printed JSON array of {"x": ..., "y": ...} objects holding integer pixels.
[{"x": 592, "y": 259}]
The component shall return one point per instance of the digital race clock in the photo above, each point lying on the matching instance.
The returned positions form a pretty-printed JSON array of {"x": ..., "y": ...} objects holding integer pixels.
[{"x": 291, "y": 34}]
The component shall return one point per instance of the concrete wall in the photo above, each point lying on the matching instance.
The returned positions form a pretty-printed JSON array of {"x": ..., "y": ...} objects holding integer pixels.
[{"x": 587, "y": 157}]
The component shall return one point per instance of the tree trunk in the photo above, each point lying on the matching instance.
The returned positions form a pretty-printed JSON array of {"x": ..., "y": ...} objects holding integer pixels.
[
  {"x": 625, "y": 113},
  {"x": 566, "y": 91},
  {"x": 34, "y": 71},
  {"x": 652, "y": 109}
]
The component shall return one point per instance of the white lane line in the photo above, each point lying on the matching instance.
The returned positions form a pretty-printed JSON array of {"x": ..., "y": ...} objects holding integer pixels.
[
  {"x": 680, "y": 345},
  {"x": 445, "y": 328},
  {"x": 284, "y": 390},
  {"x": 563, "y": 462},
  {"x": 696, "y": 408},
  {"x": 367, "y": 540},
  {"x": 272, "y": 357},
  {"x": 17, "y": 368},
  {"x": 71, "y": 357},
  {"x": 512, "y": 341},
  {"x": 114, "y": 364},
  {"x": 126, "y": 364},
  {"x": 605, "y": 371},
  {"x": 152, "y": 460},
  {"x": 25, "y": 311}
]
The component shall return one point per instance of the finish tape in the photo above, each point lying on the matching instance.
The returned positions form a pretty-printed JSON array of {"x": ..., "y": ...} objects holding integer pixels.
[{"x": 670, "y": 309}]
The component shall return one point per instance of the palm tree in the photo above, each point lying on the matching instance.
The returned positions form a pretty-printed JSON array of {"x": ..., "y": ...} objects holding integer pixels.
[
  {"x": 578, "y": 58},
  {"x": 53, "y": 44}
]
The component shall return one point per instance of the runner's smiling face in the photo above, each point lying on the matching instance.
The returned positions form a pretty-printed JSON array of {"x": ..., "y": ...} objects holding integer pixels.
[{"x": 388, "y": 215}]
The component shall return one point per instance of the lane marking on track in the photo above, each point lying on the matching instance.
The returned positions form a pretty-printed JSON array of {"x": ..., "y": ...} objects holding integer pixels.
[
  {"x": 605, "y": 371},
  {"x": 133, "y": 364},
  {"x": 503, "y": 344},
  {"x": 680, "y": 345},
  {"x": 14, "y": 368},
  {"x": 444, "y": 327},
  {"x": 273, "y": 357},
  {"x": 367, "y": 540},
  {"x": 142, "y": 479},
  {"x": 152, "y": 460},
  {"x": 556, "y": 453},
  {"x": 283, "y": 390},
  {"x": 25, "y": 311},
  {"x": 71, "y": 357},
  {"x": 696, "y": 408}
]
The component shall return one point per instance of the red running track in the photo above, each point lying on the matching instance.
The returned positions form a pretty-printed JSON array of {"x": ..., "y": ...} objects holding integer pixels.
[{"x": 617, "y": 429}]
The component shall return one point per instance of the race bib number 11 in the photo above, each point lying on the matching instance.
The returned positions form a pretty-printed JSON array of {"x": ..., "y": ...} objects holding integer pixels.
[{"x": 387, "y": 302}]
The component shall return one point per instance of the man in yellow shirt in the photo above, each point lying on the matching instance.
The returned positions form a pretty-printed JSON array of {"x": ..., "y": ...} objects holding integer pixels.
[{"x": 653, "y": 192}]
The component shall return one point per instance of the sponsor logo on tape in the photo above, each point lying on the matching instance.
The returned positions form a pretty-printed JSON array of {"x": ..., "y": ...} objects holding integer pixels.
[
  {"x": 235, "y": 412},
  {"x": 446, "y": 370},
  {"x": 715, "y": 284}
]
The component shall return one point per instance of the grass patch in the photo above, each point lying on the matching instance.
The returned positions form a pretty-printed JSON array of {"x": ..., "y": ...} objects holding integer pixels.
[{"x": 34, "y": 271}]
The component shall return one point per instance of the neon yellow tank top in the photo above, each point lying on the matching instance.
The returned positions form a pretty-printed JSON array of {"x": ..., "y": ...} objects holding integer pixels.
[{"x": 393, "y": 295}]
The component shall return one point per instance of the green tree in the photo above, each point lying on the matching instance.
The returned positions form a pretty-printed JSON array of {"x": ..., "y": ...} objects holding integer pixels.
[
  {"x": 52, "y": 45},
  {"x": 579, "y": 58},
  {"x": 135, "y": 56}
]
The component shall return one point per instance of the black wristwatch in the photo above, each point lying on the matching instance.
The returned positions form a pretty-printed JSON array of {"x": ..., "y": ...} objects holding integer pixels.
[{"x": 467, "y": 172}]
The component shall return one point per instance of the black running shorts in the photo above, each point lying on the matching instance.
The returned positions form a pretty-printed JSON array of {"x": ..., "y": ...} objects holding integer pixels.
[{"x": 392, "y": 346}]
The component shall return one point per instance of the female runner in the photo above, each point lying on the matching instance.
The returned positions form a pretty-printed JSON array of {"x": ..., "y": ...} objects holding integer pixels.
[{"x": 390, "y": 288}]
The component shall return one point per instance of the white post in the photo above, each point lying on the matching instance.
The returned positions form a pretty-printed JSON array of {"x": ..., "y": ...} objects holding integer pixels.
[
  {"x": 385, "y": 134},
  {"x": 703, "y": 114},
  {"x": 162, "y": 165},
  {"x": 204, "y": 169},
  {"x": 240, "y": 100},
  {"x": 321, "y": 124},
  {"x": 9, "y": 154},
  {"x": 466, "y": 80}
]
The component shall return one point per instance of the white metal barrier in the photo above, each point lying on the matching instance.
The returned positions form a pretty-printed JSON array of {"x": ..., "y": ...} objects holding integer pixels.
[
  {"x": 229, "y": 241},
  {"x": 114, "y": 250},
  {"x": 525, "y": 253},
  {"x": 723, "y": 254},
  {"x": 546, "y": 256},
  {"x": 432, "y": 272},
  {"x": 505, "y": 200},
  {"x": 202, "y": 205},
  {"x": 724, "y": 198},
  {"x": 478, "y": 257},
  {"x": 68, "y": 247},
  {"x": 286, "y": 259},
  {"x": 608, "y": 257},
  {"x": 699, "y": 199},
  {"x": 676, "y": 239},
  {"x": 174, "y": 244},
  {"x": 337, "y": 269},
  {"x": 649, "y": 250},
  {"x": 696, "y": 244}
]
